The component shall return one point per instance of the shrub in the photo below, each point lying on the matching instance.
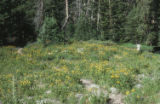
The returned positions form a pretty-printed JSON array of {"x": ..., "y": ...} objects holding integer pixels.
[{"x": 49, "y": 31}]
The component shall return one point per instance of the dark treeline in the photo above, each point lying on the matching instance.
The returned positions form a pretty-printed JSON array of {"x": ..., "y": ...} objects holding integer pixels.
[{"x": 23, "y": 21}]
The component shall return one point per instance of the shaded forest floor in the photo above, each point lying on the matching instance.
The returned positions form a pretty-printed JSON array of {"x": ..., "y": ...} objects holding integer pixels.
[{"x": 92, "y": 72}]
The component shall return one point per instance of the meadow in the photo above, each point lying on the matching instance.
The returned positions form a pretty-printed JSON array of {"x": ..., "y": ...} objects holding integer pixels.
[{"x": 52, "y": 74}]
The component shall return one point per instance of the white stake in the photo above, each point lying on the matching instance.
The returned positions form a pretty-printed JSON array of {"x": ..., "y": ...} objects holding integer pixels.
[{"x": 138, "y": 47}]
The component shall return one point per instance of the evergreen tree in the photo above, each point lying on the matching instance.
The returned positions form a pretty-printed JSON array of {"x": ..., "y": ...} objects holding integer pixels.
[
  {"x": 137, "y": 22},
  {"x": 113, "y": 18},
  {"x": 16, "y": 21},
  {"x": 154, "y": 20}
]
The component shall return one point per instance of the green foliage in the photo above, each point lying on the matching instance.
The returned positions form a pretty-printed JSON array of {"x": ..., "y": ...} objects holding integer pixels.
[
  {"x": 93, "y": 99},
  {"x": 16, "y": 21},
  {"x": 83, "y": 29},
  {"x": 49, "y": 31},
  {"x": 139, "y": 96},
  {"x": 143, "y": 47},
  {"x": 120, "y": 21},
  {"x": 112, "y": 20},
  {"x": 137, "y": 22}
]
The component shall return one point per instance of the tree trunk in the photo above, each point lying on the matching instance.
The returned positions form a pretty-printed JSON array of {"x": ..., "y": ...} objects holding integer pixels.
[
  {"x": 88, "y": 6},
  {"x": 67, "y": 14},
  {"x": 110, "y": 13},
  {"x": 38, "y": 20},
  {"x": 79, "y": 3},
  {"x": 98, "y": 15}
]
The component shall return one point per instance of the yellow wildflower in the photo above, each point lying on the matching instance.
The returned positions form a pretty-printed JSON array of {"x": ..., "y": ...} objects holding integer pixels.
[
  {"x": 118, "y": 82},
  {"x": 127, "y": 92},
  {"x": 133, "y": 90},
  {"x": 116, "y": 76},
  {"x": 112, "y": 76}
]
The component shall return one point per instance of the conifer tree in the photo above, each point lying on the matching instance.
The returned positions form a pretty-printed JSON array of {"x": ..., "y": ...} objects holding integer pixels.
[{"x": 137, "y": 22}]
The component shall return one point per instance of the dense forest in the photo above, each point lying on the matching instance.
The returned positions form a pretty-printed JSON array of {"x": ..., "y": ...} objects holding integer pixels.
[{"x": 25, "y": 21}]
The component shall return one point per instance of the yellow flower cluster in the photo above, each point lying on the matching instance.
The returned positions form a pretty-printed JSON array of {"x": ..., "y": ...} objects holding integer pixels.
[
  {"x": 9, "y": 75},
  {"x": 128, "y": 92},
  {"x": 120, "y": 71},
  {"x": 25, "y": 82},
  {"x": 99, "y": 66},
  {"x": 115, "y": 76}
]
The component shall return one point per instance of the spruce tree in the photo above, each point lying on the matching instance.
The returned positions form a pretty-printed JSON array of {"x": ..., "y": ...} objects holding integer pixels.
[{"x": 137, "y": 22}]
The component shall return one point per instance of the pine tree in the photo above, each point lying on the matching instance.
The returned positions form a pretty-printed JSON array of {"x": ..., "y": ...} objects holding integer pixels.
[
  {"x": 111, "y": 24},
  {"x": 137, "y": 22}
]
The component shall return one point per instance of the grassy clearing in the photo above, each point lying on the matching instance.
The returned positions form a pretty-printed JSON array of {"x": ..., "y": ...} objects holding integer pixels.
[
  {"x": 144, "y": 47},
  {"x": 54, "y": 72}
]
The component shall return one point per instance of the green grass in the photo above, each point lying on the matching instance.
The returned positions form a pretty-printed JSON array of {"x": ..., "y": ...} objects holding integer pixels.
[
  {"x": 143, "y": 47},
  {"x": 59, "y": 68}
]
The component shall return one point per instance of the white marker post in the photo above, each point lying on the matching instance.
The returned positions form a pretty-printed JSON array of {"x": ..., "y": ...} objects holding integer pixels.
[{"x": 138, "y": 47}]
